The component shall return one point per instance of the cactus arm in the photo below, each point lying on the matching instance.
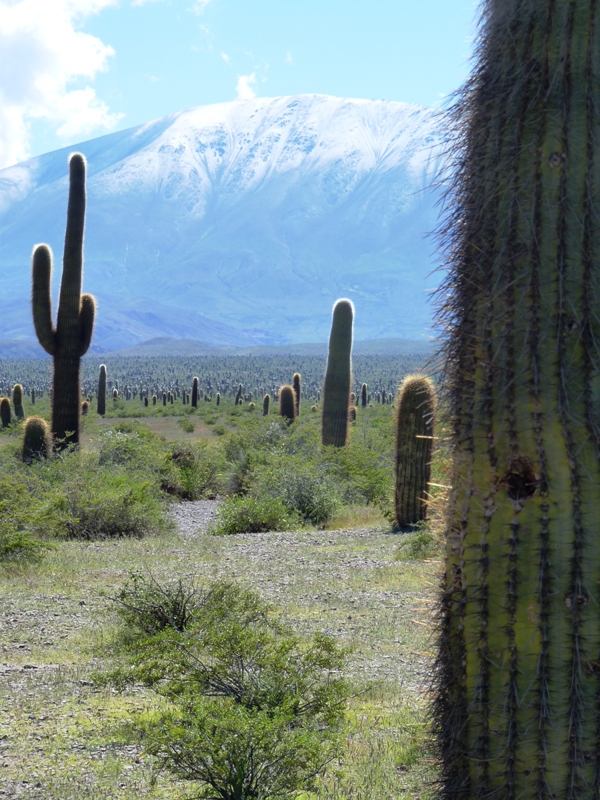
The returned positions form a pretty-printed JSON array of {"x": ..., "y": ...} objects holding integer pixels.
[
  {"x": 87, "y": 313},
  {"x": 41, "y": 300},
  {"x": 70, "y": 288}
]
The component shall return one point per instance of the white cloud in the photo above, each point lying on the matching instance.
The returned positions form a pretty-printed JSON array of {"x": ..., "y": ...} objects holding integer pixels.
[
  {"x": 199, "y": 6},
  {"x": 226, "y": 58},
  {"x": 42, "y": 53},
  {"x": 288, "y": 58},
  {"x": 244, "y": 87}
]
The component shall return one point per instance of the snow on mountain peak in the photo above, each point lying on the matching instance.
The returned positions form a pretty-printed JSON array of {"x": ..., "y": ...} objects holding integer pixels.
[{"x": 253, "y": 212}]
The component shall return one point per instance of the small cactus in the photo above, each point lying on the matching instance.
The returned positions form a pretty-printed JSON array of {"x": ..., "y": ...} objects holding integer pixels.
[
  {"x": 37, "y": 441},
  {"x": 352, "y": 414},
  {"x": 85, "y": 406},
  {"x": 5, "y": 413},
  {"x": 154, "y": 398},
  {"x": 218, "y": 400},
  {"x": 287, "y": 403},
  {"x": 33, "y": 396},
  {"x": 266, "y": 404}
]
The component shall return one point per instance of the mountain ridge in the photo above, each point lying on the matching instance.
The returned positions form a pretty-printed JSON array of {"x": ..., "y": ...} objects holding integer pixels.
[{"x": 240, "y": 222}]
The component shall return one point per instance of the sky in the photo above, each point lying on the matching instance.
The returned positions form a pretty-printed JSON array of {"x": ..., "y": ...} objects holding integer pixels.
[{"x": 72, "y": 70}]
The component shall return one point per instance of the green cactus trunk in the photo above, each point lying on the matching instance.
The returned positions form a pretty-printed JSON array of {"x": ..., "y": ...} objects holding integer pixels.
[
  {"x": 70, "y": 340},
  {"x": 287, "y": 403},
  {"x": 5, "y": 412},
  {"x": 338, "y": 376},
  {"x": 414, "y": 444},
  {"x": 17, "y": 398},
  {"x": 296, "y": 383},
  {"x": 195, "y": 393},
  {"x": 102, "y": 390},
  {"x": 518, "y": 698}
]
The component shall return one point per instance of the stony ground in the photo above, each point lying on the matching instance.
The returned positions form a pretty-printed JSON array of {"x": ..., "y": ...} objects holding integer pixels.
[{"x": 346, "y": 583}]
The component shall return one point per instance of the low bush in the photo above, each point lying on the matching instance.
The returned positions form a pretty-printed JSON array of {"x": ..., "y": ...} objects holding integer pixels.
[
  {"x": 418, "y": 545},
  {"x": 192, "y": 471},
  {"x": 150, "y": 606},
  {"x": 252, "y": 711},
  {"x": 253, "y": 515},
  {"x": 305, "y": 489}
]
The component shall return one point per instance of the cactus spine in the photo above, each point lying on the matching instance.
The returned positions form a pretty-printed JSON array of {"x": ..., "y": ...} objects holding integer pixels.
[
  {"x": 70, "y": 339},
  {"x": 414, "y": 444},
  {"x": 17, "y": 398},
  {"x": 287, "y": 403},
  {"x": 338, "y": 376},
  {"x": 102, "y": 390},
  {"x": 37, "y": 441},
  {"x": 296, "y": 384},
  {"x": 518, "y": 678}
]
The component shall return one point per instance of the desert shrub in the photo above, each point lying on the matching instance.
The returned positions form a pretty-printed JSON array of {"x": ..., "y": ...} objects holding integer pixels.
[
  {"x": 192, "y": 471},
  {"x": 104, "y": 505},
  {"x": 186, "y": 424},
  {"x": 304, "y": 488},
  {"x": 252, "y": 711},
  {"x": 253, "y": 515},
  {"x": 144, "y": 603},
  {"x": 418, "y": 545}
]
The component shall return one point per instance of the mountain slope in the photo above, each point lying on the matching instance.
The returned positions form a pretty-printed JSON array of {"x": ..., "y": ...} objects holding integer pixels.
[{"x": 240, "y": 223}]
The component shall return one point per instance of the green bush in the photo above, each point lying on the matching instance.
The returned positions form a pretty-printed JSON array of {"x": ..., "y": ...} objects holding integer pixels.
[
  {"x": 192, "y": 471},
  {"x": 186, "y": 424},
  {"x": 253, "y": 515},
  {"x": 146, "y": 604},
  {"x": 305, "y": 489},
  {"x": 418, "y": 545},
  {"x": 252, "y": 710}
]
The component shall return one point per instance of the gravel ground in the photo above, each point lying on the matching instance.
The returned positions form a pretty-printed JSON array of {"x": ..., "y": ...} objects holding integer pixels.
[{"x": 193, "y": 517}]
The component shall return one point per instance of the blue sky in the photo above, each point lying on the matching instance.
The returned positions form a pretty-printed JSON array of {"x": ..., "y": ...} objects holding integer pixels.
[{"x": 71, "y": 70}]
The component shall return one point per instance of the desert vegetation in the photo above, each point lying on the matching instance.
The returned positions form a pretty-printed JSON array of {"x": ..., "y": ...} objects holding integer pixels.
[{"x": 99, "y": 587}]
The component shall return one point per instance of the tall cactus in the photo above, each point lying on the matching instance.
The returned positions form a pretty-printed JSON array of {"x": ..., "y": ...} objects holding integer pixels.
[
  {"x": 338, "y": 376},
  {"x": 102, "y": 390},
  {"x": 195, "y": 393},
  {"x": 266, "y": 404},
  {"x": 296, "y": 383},
  {"x": 414, "y": 444},
  {"x": 518, "y": 669},
  {"x": 17, "y": 398},
  {"x": 70, "y": 339},
  {"x": 364, "y": 395}
]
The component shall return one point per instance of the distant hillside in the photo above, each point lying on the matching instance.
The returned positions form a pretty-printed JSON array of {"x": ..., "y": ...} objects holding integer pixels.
[{"x": 186, "y": 347}]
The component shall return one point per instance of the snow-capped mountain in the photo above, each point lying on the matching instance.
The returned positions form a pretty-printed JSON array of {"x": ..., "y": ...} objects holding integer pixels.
[{"x": 240, "y": 223}]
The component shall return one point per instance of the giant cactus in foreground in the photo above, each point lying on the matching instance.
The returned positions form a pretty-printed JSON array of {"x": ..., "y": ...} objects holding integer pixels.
[
  {"x": 338, "y": 376},
  {"x": 70, "y": 339},
  {"x": 518, "y": 673}
]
